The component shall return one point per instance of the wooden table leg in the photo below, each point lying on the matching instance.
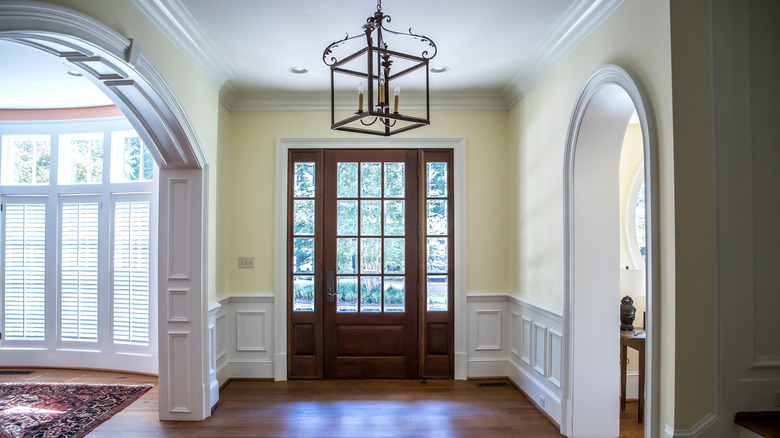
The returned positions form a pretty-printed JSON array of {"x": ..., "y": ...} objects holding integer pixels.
[{"x": 623, "y": 362}]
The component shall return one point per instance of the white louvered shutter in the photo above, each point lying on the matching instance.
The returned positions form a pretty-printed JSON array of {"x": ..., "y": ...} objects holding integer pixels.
[
  {"x": 131, "y": 271},
  {"x": 79, "y": 259},
  {"x": 25, "y": 270}
]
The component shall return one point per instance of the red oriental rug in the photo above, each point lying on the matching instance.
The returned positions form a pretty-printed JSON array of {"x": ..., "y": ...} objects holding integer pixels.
[{"x": 48, "y": 410}]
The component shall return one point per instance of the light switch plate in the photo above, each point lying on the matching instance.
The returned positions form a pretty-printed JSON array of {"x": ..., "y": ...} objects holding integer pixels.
[{"x": 246, "y": 263}]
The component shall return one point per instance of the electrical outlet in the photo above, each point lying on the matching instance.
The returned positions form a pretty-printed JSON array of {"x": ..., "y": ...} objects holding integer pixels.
[
  {"x": 246, "y": 263},
  {"x": 541, "y": 401}
]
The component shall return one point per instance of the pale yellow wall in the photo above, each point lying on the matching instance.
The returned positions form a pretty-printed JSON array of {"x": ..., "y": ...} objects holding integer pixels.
[
  {"x": 253, "y": 174},
  {"x": 196, "y": 94},
  {"x": 223, "y": 201},
  {"x": 636, "y": 37}
]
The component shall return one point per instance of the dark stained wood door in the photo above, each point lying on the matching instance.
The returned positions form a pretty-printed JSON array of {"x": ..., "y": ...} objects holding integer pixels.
[
  {"x": 370, "y": 280},
  {"x": 371, "y": 264}
]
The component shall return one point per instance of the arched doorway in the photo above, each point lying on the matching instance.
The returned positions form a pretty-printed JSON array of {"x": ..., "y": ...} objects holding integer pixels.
[
  {"x": 118, "y": 68},
  {"x": 591, "y": 254}
]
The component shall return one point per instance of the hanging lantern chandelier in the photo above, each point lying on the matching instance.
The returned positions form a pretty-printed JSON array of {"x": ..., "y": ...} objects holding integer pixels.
[{"x": 381, "y": 70}]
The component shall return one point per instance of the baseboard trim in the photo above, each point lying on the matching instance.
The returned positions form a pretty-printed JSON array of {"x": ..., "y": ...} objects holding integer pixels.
[
  {"x": 244, "y": 379},
  {"x": 705, "y": 422},
  {"x": 534, "y": 404}
]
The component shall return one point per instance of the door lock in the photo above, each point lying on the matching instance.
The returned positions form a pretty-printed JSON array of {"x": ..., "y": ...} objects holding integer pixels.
[{"x": 330, "y": 286}]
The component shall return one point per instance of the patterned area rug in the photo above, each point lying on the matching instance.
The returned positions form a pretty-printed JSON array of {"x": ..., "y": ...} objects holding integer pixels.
[{"x": 48, "y": 410}]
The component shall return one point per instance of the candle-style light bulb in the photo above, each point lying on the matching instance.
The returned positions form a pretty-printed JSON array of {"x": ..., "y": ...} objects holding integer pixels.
[
  {"x": 361, "y": 89},
  {"x": 397, "y": 93},
  {"x": 381, "y": 90}
]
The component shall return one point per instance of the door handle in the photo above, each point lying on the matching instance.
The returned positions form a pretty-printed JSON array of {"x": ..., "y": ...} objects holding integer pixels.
[{"x": 330, "y": 286}]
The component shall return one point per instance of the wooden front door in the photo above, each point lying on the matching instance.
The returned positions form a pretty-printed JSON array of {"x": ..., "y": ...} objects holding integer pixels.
[{"x": 370, "y": 278}]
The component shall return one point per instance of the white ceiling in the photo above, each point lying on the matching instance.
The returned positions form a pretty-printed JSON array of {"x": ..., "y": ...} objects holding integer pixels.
[
  {"x": 30, "y": 78},
  {"x": 496, "y": 49}
]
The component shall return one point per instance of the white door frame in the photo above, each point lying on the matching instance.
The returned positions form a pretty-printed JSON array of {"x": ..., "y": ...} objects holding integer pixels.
[
  {"x": 591, "y": 254},
  {"x": 121, "y": 71},
  {"x": 283, "y": 145}
]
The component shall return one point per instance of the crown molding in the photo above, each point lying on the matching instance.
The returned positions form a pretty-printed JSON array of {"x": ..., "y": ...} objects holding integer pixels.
[
  {"x": 179, "y": 26},
  {"x": 582, "y": 18},
  {"x": 237, "y": 100},
  {"x": 173, "y": 19}
]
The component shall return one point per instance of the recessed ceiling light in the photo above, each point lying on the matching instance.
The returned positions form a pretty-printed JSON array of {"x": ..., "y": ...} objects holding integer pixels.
[
  {"x": 439, "y": 69},
  {"x": 298, "y": 70},
  {"x": 73, "y": 73}
]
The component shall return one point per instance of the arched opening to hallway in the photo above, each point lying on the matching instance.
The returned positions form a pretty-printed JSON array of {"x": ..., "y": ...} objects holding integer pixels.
[{"x": 592, "y": 254}]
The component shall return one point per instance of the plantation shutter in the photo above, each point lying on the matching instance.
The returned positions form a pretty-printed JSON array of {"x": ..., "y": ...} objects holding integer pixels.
[
  {"x": 131, "y": 271},
  {"x": 25, "y": 270},
  {"x": 79, "y": 271}
]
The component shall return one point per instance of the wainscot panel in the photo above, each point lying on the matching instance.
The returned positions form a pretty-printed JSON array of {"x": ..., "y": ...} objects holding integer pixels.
[
  {"x": 515, "y": 337},
  {"x": 244, "y": 337}
]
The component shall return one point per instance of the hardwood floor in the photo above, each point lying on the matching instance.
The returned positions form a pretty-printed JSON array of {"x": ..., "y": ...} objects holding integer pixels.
[
  {"x": 391, "y": 408},
  {"x": 362, "y": 408},
  {"x": 629, "y": 426}
]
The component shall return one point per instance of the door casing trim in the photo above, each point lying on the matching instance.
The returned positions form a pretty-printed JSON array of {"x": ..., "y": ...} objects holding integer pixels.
[{"x": 283, "y": 145}]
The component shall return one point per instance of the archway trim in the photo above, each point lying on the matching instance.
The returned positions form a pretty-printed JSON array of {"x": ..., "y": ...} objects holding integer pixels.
[
  {"x": 117, "y": 67},
  {"x": 606, "y": 76}
]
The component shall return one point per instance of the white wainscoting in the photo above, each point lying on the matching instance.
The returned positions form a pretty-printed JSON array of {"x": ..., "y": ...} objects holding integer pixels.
[
  {"x": 244, "y": 337},
  {"x": 514, "y": 337}
]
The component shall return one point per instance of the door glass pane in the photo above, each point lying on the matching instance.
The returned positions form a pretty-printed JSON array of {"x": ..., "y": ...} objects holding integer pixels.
[
  {"x": 371, "y": 294},
  {"x": 394, "y": 218},
  {"x": 437, "y": 255},
  {"x": 347, "y": 220},
  {"x": 303, "y": 255},
  {"x": 436, "y": 180},
  {"x": 303, "y": 293},
  {"x": 346, "y": 255},
  {"x": 347, "y": 180},
  {"x": 370, "y": 256},
  {"x": 437, "y": 292},
  {"x": 394, "y": 180},
  {"x": 347, "y": 289},
  {"x": 394, "y": 294},
  {"x": 370, "y": 180},
  {"x": 370, "y": 218},
  {"x": 394, "y": 256},
  {"x": 303, "y": 214},
  {"x": 437, "y": 217},
  {"x": 304, "y": 180}
]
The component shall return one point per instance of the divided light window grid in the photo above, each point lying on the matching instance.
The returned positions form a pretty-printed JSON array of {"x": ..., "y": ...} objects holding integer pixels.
[
  {"x": 91, "y": 276},
  {"x": 303, "y": 231},
  {"x": 371, "y": 242},
  {"x": 25, "y": 159},
  {"x": 437, "y": 236}
]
